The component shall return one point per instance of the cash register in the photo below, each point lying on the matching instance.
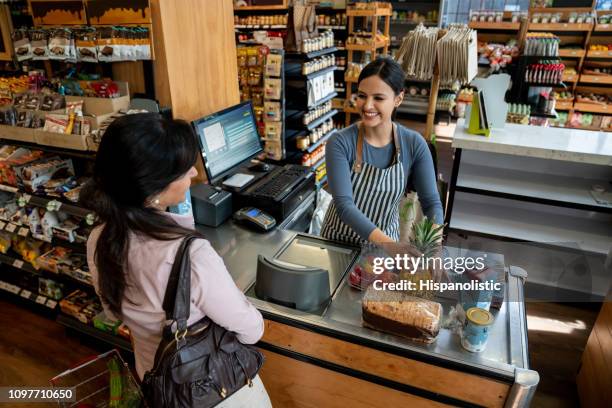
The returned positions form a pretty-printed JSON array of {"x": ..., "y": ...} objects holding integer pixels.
[{"x": 229, "y": 142}]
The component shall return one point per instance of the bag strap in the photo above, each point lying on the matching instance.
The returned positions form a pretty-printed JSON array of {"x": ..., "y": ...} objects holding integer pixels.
[{"x": 177, "y": 299}]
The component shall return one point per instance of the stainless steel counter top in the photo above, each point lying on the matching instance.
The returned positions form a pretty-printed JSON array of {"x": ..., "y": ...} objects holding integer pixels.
[{"x": 506, "y": 350}]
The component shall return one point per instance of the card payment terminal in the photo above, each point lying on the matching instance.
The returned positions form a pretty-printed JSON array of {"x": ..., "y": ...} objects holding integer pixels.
[{"x": 255, "y": 217}]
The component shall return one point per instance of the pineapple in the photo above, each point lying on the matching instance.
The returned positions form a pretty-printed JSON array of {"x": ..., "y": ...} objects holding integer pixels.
[{"x": 427, "y": 239}]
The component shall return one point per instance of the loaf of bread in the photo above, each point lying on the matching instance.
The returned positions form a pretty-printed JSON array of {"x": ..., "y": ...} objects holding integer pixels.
[{"x": 398, "y": 313}]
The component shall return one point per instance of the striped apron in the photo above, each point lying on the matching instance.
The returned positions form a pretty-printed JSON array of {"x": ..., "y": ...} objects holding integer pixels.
[{"x": 376, "y": 193}]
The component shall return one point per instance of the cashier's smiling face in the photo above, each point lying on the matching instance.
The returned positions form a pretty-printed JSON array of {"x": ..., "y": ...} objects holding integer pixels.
[{"x": 376, "y": 101}]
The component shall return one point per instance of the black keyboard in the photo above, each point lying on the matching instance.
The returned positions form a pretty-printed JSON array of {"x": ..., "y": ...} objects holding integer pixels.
[{"x": 279, "y": 182}]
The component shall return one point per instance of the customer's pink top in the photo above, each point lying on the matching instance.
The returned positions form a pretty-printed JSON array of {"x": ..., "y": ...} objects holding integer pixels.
[{"x": 213, "y": 292}]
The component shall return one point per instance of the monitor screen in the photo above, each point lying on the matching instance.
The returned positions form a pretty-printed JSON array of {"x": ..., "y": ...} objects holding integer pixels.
[{"x": 227, "y": 138}]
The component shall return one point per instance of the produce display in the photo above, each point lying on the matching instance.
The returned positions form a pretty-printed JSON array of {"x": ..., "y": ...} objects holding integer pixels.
[
  {"x": 518, "y": 113},
  {"x": 597, "y": 71},
  {"x": 564, "y": 96},
  {"x": 366, "y": 38}
]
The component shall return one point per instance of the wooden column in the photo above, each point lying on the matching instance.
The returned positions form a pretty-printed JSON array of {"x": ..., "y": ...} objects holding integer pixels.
[{"x": 195, "y": 65}]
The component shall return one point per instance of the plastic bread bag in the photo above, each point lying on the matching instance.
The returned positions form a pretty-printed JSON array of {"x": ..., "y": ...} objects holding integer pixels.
[{"x": 395, "y": 312}]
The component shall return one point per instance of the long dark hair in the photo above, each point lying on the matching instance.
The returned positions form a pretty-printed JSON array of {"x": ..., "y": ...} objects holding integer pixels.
[
  {"x": 386, "y": 69},
  {"x": 139, "y": 156}
]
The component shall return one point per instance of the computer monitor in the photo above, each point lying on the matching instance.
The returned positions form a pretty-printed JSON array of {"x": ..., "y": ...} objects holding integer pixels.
[{"x": 227, "y": 138}]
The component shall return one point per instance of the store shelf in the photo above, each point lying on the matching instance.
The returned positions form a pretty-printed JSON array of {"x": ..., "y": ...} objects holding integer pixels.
[
  {"x": 318, "y": 163},
  {"x": 563, "y": 105},
  {"x": 592, "y": 107},
  {"x": 531, "y": 222},
  {"x": 18, "y": 263},
  {"x": 414, "y": 22},
  {"x": 340, "y": 68},
  {"x": 569, "y": 53},
  {"x": 340, "y": 90},
  {"x": 261, "y": 27},
  {"x": 300, "y": 76},
  {"x": 261, "y": 8},
  {"x": 486, "y": 25},
  {"x": 42, "y": 302},
  {"x": 560, "y": 27},
  {"x": 570, "y": 78},
  {"x": 379, "y": 12},
  {"x": 319, "y": 142},
  {"x": 603, "y": 27},
  {"x": 109, "y": 338},
  {"x": 329, "y": 27},
  {"x": 599, "y": 54},
  {"x": 596, "y": 79},
  {"x": 553, "y": 85},
  {"x": 315, "y": 123},
  {"x": 323, "y": 100},
  {"x": 520, "y": 183},
  {"x": 367, "y": 47},
  {"x": 43, "y": 202},
  {"x": 325, "y": 51}
]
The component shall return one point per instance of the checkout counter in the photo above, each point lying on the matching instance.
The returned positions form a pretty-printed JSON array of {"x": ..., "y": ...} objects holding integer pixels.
[{"x": 326, "y": 358}]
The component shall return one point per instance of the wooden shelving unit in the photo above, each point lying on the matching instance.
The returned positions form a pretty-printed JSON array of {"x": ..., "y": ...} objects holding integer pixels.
[
  {"x": 371, "y": 16},
  {"x": 486, "y": 25},
  {"x": 282, "y": 6}
]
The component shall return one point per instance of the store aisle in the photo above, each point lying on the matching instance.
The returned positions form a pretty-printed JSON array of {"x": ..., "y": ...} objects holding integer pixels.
[{"x": 34, "y": 349}]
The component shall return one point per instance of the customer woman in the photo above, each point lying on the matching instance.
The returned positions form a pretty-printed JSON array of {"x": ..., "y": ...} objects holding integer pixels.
[
  {"x": 368, "y": 164},
  {"x": 145, "y": 164}
]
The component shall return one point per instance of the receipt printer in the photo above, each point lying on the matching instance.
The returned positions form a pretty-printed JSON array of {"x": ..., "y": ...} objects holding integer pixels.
[{"x": 211, "y": 205}]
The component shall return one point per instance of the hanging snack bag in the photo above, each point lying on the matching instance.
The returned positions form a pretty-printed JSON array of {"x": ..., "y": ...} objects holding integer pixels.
[
  {"x": 24, "y": 118},
  {"x": 59, "y": 44},
  {"x": 105, "y": 42},
  {"x": 21, "y": 43},
  {"x": 86, "y": 45},
  {"x": 55, "y": 123},
  {"x": 38, "y": 41}
]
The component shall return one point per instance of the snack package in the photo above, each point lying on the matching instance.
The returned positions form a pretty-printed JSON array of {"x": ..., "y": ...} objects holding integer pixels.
[
  {"x": 272, "y": 111},
  {"x": 33, "y": 101},
  {"x": 52, "y": 102},
  {"x": 50, "y": 288},
  {"x": 274, "y": 63},
  {"x": 66, "y": 230},
  {"x": 18, "y": 157},
  {"x": 59, "y": 44},
  {"x": 105, "y": 42},
  {"x": 8, "y": 116},
  {"x": 38, "y": 41},
  {"x": 85, "y": 40},
  {"x": 81, "y": 305},
  {"x": 272, "y": 88},
  {"x": 33, "y": 175},
  {"x": 24, "y": 118},
  {"x": 75, "y": 107},
  {"x": 55, "y": 123},
  {"x": 5, "y": 241},
  {"x": 105, "y": 323},
  {"x": 51, "y": 260},
  {"x": 21, "y": 44}
]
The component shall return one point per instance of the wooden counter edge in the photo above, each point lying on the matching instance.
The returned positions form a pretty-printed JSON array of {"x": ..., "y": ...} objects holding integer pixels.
[{"x": 388, "y": 366}]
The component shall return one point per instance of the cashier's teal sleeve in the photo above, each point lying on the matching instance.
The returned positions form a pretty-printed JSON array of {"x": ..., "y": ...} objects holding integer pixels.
[{"x": 338, "y": 155}]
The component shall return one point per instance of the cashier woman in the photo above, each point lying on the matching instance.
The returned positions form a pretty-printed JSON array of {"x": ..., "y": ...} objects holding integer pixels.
[{"x": 370, "y": 162}]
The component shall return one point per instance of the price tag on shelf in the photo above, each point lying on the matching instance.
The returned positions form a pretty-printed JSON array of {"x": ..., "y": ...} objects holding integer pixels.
[
  {"x": 14, "y": 289},
  {"x": 25, "y": 294},
  {"x": 23, "y": 232},
  {"x": 11, "y": 227},
  {"x": 41, "y": 299},
  {"x": 18, "y": 263},
  {"x": 51, "y": 304}
]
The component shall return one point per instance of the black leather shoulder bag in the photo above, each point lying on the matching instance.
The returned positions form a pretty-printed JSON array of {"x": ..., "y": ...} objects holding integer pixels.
[{"x": 199, "y": 365}]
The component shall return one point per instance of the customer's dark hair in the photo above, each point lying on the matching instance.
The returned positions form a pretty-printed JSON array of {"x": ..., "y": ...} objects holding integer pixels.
[
  {"x": 138, "y": 157},
  {"x": 386, "y": 69}
]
